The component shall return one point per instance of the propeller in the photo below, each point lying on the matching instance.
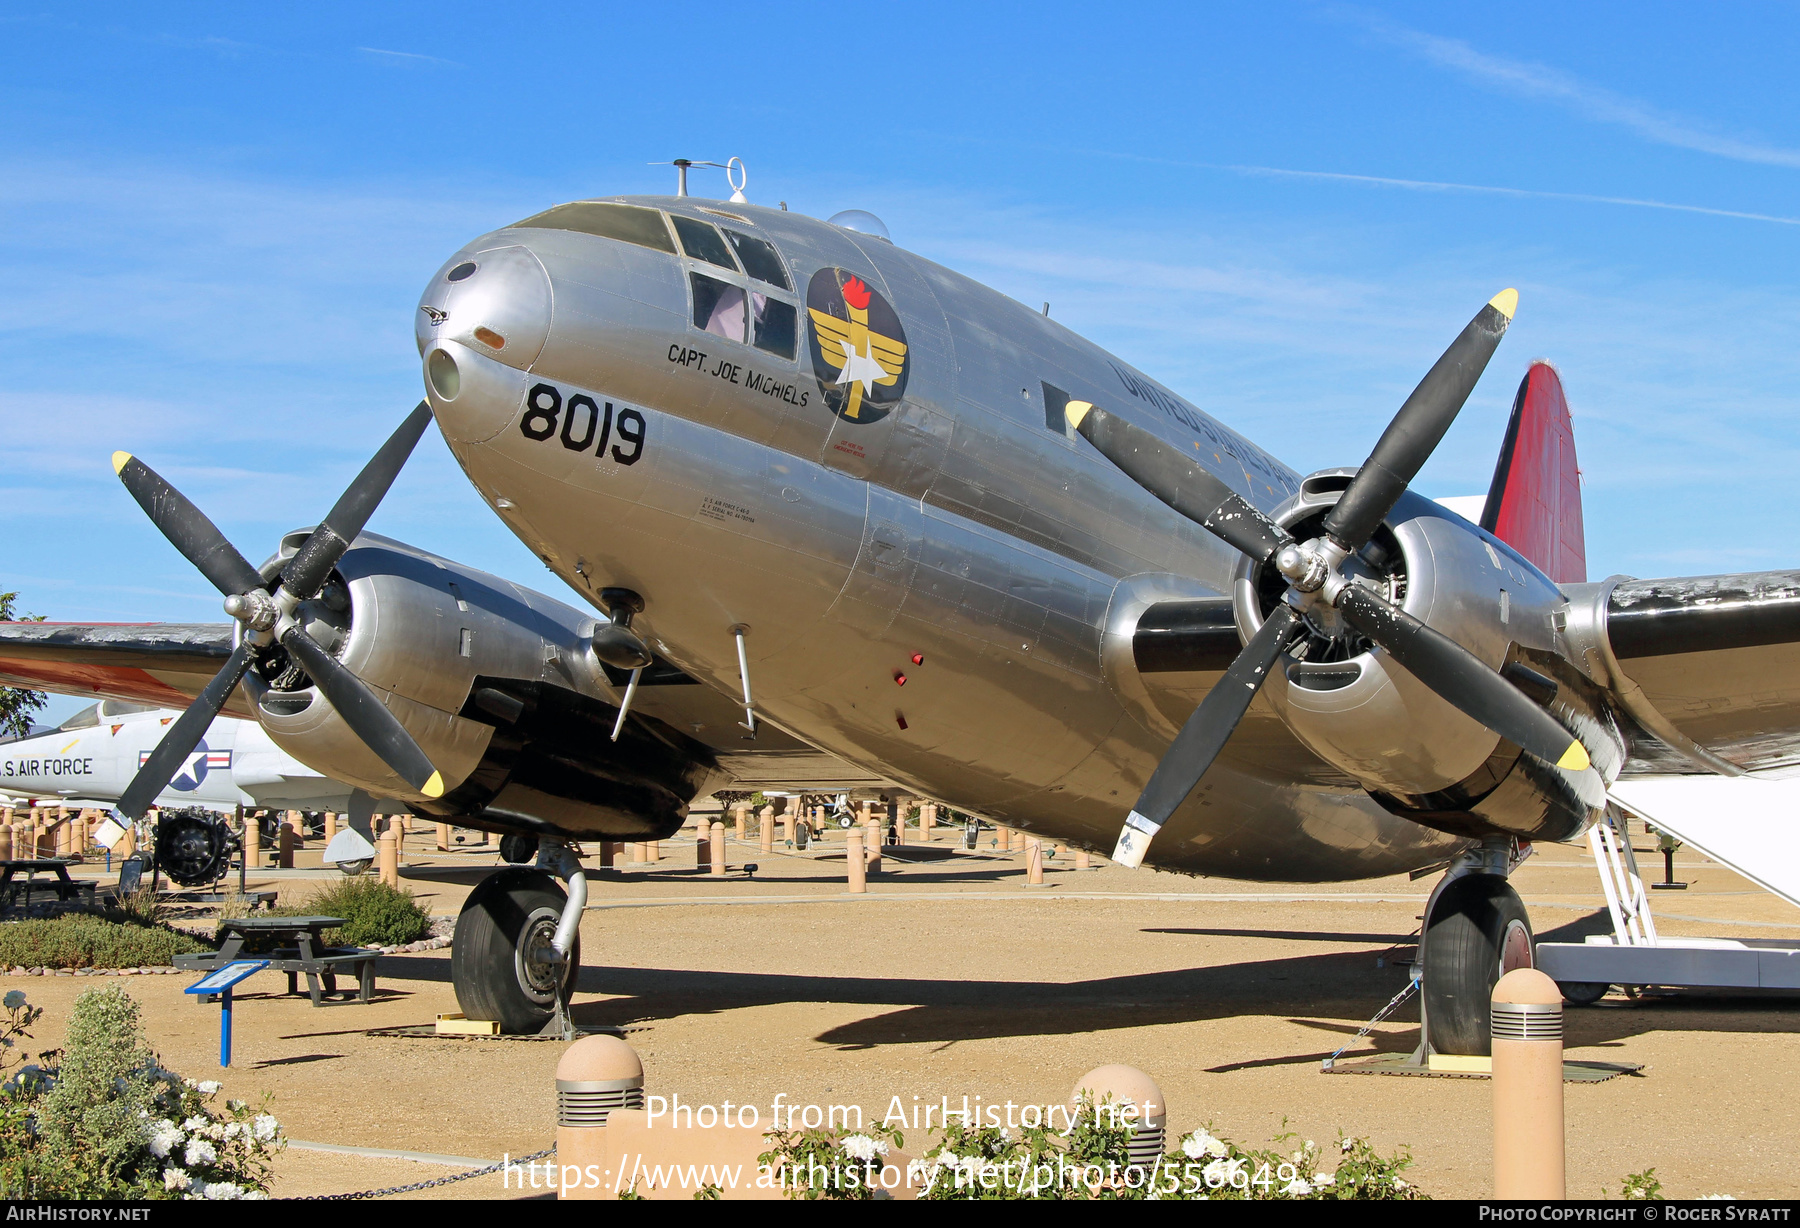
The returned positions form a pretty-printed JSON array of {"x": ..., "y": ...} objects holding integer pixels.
[
  {"x": 1317, "y": 581},
  {"x": 267, "y": 615}
]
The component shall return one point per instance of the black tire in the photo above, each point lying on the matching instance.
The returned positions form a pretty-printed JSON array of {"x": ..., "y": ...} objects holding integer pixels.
[
  {"x": 350, "y": 869},
  {"x": 1583, "y": 993},
  {"x": 518, "y": 850},
  {"x": 1477, "y": 931},
  {"x": 509, "y": 915}
]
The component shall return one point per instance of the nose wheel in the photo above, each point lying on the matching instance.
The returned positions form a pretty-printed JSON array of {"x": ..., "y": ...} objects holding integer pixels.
[{"x": 502, "y": 963}]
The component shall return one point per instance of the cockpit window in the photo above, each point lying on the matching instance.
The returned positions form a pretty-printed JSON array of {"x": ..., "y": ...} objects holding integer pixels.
[
  {"x": 760, "y": 259},
  {"x": 627, "y": 223},
  {"x": 87, "y": 718},
  {"x": 718, "y": 307},
  {"x": 775, "y": 324},
  {"x": 701, "y": 241},
  {"x": 118, "y": 707}
]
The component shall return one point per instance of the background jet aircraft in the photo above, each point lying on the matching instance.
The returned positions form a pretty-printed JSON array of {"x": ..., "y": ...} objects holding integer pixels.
[
  {"x": 94, "y": 755},
  {"x": 888, "y": 518}
]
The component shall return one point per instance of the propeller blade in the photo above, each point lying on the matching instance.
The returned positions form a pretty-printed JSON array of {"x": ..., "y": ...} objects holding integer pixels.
[
  {"x": 1203, "y": 737},
  {"x": 187, "y": 528},
  {"x": 185, "y": 734},
  {"x": 1169, "y": 474},
  {"x": 306, "y": 572},
  {"x": 1460, "y": 677},
  {"x": 1419, "y": 426},
  {"x": 380, "y": 730}
]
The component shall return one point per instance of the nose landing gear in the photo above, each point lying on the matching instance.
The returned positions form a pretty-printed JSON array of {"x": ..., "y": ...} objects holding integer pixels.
[{"x": 1476, "y": 930}]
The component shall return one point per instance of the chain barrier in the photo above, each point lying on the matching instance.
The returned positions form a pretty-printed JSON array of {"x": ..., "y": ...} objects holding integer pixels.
[
  {"x": 1411, "y": 988},
  {"x": 436, "y": 1181}
]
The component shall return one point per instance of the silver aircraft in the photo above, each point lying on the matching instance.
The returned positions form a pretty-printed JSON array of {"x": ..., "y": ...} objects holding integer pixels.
[
  {"x": 95, "y": 754},
  {"x": 851, "y": 517}
]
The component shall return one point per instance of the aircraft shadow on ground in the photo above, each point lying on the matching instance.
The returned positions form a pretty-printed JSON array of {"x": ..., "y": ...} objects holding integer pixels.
[
  {"x": 915, "y": 873},
  {"x": 1328, "y": 992}
]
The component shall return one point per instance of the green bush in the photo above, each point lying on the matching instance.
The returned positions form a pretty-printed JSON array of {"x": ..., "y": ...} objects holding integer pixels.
[
  {"x": 83, "y": 940},
  {"x": 375, "y": 914}
]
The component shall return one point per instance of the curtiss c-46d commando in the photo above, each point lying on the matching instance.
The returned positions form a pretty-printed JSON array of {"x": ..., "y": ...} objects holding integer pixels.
[{"x": 841, "y": 509}]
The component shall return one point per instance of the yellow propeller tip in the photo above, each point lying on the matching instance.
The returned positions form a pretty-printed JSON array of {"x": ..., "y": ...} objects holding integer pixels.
[
  {"x": 1075, "y": 411},
  {"x": 120, "y": 460},
  {"x": 1506, "y": 302},
  {"x": 434, "y": 787},
  {"x": 1575, "y": 759}
]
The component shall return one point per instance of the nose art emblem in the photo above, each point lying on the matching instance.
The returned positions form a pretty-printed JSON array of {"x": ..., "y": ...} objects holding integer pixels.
[
  {"x": 437, "y": 316},
  {"x": 858, "y": 346}
]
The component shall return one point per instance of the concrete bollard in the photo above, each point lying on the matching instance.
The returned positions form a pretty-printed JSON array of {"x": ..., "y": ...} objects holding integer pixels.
[
  {"x": 787, "y": 820},
  {"x": 597, "y": 1074},
  {"x": 443, "y": 837},
  {"x": 1034, "y": 863},
  {"x": 718, "y": 849},
  {"x": 872, "y": 837},
  {"x": 388, "y": 850},
  {"x": 765, "y": 828},
  {"x": 739, "y": 816},
  {"x": 609, "y": 852},
  {"x": 284, "y": 848},
  {"x": 6, "y": 843},
  {"x": 702, "y": 844},
  {"x": 654, "y": 850},
  {"x": 1127, "y": 1085},
  {"x": 856, "y": 864},
  {"x": 330, "y": 825},
  {"x": 252, "y": 842},
  {"x": 297, "y": 824},
  {"x": 1527, "y": 1027}
]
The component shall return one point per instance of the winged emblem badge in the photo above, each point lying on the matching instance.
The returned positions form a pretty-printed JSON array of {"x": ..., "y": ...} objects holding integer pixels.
[{"x": 858, "y": 346}]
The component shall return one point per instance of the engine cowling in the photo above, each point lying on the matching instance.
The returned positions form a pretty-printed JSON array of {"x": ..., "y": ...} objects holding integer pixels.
[
  {"x": 498, "y": 685},
  {"x": 1360, "y": 711}
]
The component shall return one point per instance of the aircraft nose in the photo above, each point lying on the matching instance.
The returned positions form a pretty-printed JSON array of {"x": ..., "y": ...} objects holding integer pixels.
[{"x": 485, "y": 312}]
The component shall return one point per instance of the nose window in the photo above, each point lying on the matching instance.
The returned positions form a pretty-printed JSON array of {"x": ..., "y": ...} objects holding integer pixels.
[
  {"x": 461, "y": 271},
  {"x": 701, "y": 241},
  {"x": 760, "y": 259}
]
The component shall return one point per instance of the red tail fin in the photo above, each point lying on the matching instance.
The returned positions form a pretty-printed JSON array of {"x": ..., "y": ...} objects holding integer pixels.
[{"x": 1534, "y": 504}]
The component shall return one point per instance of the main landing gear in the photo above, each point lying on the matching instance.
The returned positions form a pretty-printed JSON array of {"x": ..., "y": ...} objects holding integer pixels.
[
  {"x": 1475, "y": 932},
  {"x": 517, "y": 949}
]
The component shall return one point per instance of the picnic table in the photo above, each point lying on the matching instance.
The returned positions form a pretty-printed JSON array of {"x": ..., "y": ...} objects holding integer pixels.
[
  {"x": 300, "y": 948},
  {"x": 66, "y": 888}
]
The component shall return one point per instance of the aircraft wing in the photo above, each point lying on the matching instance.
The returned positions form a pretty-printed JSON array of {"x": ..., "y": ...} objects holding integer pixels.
[
  {"x": 162, "y": 664},
  {"x": 1710, "y": 661}
]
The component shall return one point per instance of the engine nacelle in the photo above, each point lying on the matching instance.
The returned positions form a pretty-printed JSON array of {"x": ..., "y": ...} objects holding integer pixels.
[
  {"x": 1365, "y": 714},
  {"x": 498, "y": 685}
]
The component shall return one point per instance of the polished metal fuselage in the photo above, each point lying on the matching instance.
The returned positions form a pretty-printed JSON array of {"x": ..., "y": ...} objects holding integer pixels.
[{"x": 962, "y": 542}]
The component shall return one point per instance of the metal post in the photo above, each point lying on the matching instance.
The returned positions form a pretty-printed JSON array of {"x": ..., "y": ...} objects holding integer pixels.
[
  {"x": 749, "y": 721},
  {"x": 625, "y": 704},
  {"x": 225, "y": 1027}
]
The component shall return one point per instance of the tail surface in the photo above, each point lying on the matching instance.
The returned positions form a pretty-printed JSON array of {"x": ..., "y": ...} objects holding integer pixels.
[{"x": 1534, "y": 503}]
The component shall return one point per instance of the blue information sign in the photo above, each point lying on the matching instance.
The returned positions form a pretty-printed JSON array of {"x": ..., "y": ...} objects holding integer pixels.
[{"x": 219, "y": 981}]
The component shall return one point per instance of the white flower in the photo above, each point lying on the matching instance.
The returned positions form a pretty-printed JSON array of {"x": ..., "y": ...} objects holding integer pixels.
[
  {"x": 1219, "y": 1172},
  {"x": 163, "y": 1138},
  {"x": 1311, "y": 1146},
  {"x": 200, "y": 1152},
  {"x": 223, "y": 1191},
  {"x": 1201, "y": 1143},
  {"x": 1399, "y": 1184},
  {"x": 255, "y": 1196},
  {"x": 1324, "y": 1178},
  {"x": 946, "y": 1156},
  {"x": 195, "y": 1124},
  {"x": 175, "y": 1179},
  {"x": 862, "y": 1147},
  {"x": 1296, "y": 1188},
  {"x": 1346, "y": 1144},
  {"x": 209, "y": 1088},
  {"x": 1299, "y": 1157},
  {"x": 265, "y": 1127}
]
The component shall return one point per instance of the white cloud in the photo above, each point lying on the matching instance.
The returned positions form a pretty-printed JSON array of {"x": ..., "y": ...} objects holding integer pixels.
[{"x": 1582, "y": 98}]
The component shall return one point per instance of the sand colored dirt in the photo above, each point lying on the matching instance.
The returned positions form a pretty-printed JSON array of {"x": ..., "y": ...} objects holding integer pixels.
[{"x": 952, "y": 978}]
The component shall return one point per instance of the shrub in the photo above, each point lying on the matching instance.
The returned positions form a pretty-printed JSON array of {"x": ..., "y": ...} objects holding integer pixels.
[
  {"x": 84, "y": 940},
  {"x": 375, "y": 914},
  {"x": 110, "y": 1122}
]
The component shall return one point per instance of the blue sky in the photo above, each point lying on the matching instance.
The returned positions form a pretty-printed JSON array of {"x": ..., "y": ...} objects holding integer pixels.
[{"x": 215, "y": 221}]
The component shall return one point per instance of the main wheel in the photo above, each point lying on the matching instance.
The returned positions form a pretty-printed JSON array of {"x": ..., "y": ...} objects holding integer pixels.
[
  {"x": 494, "y": 960},
  {"x": 1477, "y": 932}
]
